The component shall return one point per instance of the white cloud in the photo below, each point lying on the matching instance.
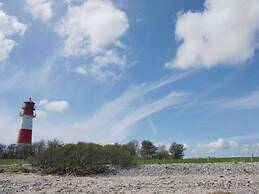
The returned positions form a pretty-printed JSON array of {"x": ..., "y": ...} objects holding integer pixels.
[
  {"x": 104, "y": 67},
  {"x": 97, "y": 37},
  {"x": 219, "y": 144},
  {"x": 248, "y": 102},
  {"x": 221, "y": 34},
  {"x": 174, "y": 98},
  {"x": 81, "y": 70},
  {"x": 91, "y": 27},
  {"x": 40, "y": 9},
  {"x": 54, "y": 106},
  {"x": 41, "y": 114},
  {"x": 108, "y": 66},
  {"x": 9, "y": 25},
  {"x": 112, "y": 120}
]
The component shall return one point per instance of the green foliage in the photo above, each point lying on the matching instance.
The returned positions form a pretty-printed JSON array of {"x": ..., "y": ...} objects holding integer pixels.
[
  {"x": 21, "y": 151},
  {"x": 132, "y": 147},
  {"x": 54, "y": 143},
  {"x": 11, "y": 161},
  {"x": 148, "y": 149},
  {"x": 177, "y": 150},
  {"x": 162, "y": 153},
  {"x": 196, "y": 160},
  {"x": 2, "y": 150},
  {"x": 82, "y": 159},
  {"x": 118, "y": 155},
  {"x": 38, "y": 147},
  {"x": 79, "y": 159}
]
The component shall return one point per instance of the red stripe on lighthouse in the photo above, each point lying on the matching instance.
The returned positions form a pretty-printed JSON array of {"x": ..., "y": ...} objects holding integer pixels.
[
  {"x": 24, "y": 136},
  {"x": 27, "y": 111}
]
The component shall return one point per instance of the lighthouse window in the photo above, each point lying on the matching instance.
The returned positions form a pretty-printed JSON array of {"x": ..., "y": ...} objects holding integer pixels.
[{"x": 29, "y": 105}]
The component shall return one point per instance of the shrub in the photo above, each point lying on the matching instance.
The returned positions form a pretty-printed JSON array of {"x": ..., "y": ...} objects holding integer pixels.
[
  {"x": 118, "y": 155},
  {"x": 163, "y": 155},
  {"x": 177, "y": 150},
  {"x": 132, "y": 147},
  {"x": 81, "y": 159},
  {"x": 148, "y": 149}
]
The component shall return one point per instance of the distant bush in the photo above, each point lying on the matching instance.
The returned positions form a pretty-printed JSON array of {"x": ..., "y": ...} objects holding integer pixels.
[
  {"x": 177, "y": 150},
  {"x": 133, "y": 147},
  {"x": 148, "y": 149},
  {"x": 21, "y": 151},
  {"x": 82, "y": 159}
]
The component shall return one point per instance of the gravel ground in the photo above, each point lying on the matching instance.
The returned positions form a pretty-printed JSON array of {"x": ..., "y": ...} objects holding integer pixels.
[{"x": 176, "y": 178}]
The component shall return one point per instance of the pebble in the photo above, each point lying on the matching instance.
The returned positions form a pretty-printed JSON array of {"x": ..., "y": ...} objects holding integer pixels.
[{"x": 177, "y": 178}]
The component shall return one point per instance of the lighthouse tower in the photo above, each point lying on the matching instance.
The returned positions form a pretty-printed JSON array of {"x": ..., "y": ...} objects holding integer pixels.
[{"x": 27, "y": 114}]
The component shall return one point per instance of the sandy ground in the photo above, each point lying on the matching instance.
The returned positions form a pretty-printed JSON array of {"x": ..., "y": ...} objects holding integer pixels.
[{"x": 206, "y": 178}]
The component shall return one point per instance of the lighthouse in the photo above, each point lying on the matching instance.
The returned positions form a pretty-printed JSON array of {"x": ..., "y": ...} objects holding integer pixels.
[{"x": 27, "y": 114}]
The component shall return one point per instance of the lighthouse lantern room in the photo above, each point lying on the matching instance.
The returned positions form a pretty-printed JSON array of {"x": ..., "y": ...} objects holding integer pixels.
[{"x": 27, "y": 114}]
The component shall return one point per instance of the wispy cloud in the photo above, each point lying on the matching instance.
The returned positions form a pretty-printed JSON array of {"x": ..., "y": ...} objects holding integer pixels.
[
  {"x": 110, "y": 122},
  {"x": 247, "y": 102},
  {"x": 201, "y": 97},
  {"x": 174, "y": 98}
]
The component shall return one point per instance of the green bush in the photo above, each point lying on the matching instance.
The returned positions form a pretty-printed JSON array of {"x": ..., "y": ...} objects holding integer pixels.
[
  {"x": 148, "y": 149},
  {"x": 82, "y": 159},
  {"x": 118, "y": 155},
  {"x": 177, "y": 150}
]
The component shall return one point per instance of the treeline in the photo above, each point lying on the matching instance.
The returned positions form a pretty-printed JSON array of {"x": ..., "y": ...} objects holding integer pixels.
[
  {"x": 55, "y": 157},
  {"x": 145, "y": 149},
  {"x": 20, "y": 151}
]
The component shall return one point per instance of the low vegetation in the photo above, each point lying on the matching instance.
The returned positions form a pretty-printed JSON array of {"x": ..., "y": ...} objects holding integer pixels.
[
  {"x": 140, "y": 161},
  {"x": 11, "y": 161},
  {"x": 89, "y": 158},
  {"x": 86, "y": 158}
]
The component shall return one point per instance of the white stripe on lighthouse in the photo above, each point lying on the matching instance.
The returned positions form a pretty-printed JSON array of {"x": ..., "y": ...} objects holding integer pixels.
[{"x": 26, "y": 122}]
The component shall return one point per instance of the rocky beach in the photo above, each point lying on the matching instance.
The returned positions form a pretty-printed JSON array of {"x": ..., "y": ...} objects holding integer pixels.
[{"x": 236, "y": 178}]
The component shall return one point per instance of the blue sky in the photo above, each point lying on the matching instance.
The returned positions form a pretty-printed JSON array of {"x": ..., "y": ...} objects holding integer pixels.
[{"x": 114, "y": 71}]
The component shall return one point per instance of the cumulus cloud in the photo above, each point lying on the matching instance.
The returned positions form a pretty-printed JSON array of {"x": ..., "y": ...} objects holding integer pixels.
[
  {"x": 224, "y": 33},
  {"x": 219, "y": 144},
  {"x": 94, "y": 29},
  {"x": 54, "y": 106},
  {"x": 91, "y": 27},
  {"x": 104, "y": 67},
  {"x": 9, "y": 25},
  {"x": 40, "y": 9}
]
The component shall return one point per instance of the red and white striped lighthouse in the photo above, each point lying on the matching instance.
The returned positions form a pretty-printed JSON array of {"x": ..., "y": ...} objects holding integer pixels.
[{"x": 27, "y": 114}]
